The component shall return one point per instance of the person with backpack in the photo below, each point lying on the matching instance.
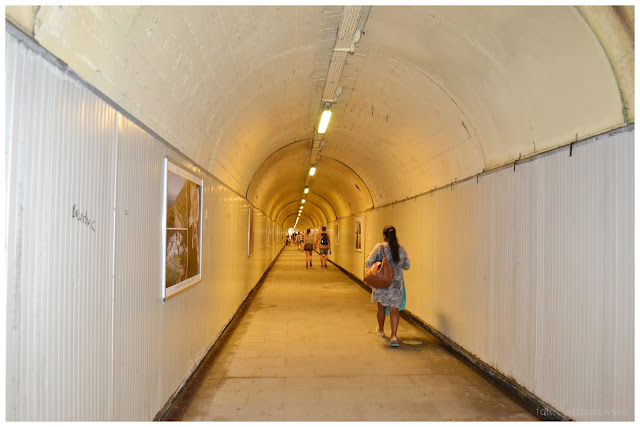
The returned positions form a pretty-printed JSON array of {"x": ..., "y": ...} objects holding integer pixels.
[
  {"x": 323, "y": 244},
  {"x": 299, "y": 241}
]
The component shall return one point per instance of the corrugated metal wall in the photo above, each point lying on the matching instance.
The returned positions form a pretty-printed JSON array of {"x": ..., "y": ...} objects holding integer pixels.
[
  {"x": 88, "y": 336},
  {"x": 530, "y": 270},
  {"x": 60, "y": 267},
  {"x": 137, "y": 315}
]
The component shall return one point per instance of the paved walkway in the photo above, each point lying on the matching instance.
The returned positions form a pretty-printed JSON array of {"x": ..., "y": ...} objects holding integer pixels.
[{"x": 306, "y": 350}]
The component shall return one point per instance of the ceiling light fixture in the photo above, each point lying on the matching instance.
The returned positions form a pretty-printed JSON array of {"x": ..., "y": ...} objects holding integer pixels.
[
  {"x": 312, "y": 171},
  {"x": 324, "y": 119},
  {"x": 303, "y": 200},
  {"x": 306, "y": 190}
]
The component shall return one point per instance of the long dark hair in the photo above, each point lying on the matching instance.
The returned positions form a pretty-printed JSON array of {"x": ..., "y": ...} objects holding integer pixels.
[{"x": 389, "y": 233}]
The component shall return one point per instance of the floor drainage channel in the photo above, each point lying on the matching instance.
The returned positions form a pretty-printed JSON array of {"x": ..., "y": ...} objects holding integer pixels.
[{"x": 412, "y": 342}]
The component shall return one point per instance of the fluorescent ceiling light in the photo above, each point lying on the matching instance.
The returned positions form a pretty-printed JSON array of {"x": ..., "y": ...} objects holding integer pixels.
[
  {"x": 303, "y": 200},
  {"x": 312, "y": 171},
  {"x": 324, "y": 119},
  {"x": 306, "y": 190}
]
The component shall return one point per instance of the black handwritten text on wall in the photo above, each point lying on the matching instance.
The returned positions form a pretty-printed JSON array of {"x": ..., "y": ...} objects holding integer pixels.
[{"x": 83, "y": 217}]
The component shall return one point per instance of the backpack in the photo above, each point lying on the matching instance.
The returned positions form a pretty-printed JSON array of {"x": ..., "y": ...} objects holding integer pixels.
[{"x": 325, "y": 239}]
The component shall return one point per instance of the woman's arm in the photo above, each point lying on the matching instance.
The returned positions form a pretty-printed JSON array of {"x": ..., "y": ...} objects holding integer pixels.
[
  {"x": 375, "y": 255},
  {"x": 405, "y": 259}
]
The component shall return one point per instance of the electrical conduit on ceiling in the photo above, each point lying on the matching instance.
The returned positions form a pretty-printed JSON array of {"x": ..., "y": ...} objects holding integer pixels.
[{"x": 352, "y": 23}]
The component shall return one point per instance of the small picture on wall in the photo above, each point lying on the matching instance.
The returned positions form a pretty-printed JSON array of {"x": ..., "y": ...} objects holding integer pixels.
[
  {"x": 273, "y": 233},
  {"x": 183, "y": 231},
  {"x": 358, "y": 232},
  {"x": 252, "y": 221}
]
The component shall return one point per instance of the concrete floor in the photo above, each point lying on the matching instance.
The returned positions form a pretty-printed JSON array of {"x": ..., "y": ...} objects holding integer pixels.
[{"x": 306, "y": 350}]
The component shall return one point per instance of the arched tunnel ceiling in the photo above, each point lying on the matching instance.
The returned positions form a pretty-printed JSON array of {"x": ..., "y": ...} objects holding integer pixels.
[
  {"x": 444, "y": 93},
  {"x": 432, "y": 94},
  {"x": 278, "y": 184}
]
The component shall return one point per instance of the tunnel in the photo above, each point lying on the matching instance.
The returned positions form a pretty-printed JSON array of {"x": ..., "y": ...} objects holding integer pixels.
[{"x": 157, "y": 157}]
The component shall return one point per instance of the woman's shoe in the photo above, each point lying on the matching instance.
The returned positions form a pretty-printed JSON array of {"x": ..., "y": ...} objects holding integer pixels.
[{"x": 378, "y": 333}]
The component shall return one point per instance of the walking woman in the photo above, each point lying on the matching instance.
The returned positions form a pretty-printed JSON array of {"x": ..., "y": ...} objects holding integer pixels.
[
  {"x": 308, "y": 247},
  {"x": 392, "y": 298},
  {"x": 299, "y": 241}
]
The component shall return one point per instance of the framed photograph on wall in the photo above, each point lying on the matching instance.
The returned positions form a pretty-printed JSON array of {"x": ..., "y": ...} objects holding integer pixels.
[
  {"x": 182, "y": 226},
  {"x": 251, "y": 235},
  {"x": 358, "y": 234}
]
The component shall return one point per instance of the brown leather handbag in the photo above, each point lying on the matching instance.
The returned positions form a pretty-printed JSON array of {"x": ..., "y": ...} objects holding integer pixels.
[{"x": 380, "y": 274}]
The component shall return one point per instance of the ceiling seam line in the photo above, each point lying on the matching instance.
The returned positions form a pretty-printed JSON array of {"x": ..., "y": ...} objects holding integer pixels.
[
  {"x": 419, "y": 70},
  {"x": 373, "y": 205}
]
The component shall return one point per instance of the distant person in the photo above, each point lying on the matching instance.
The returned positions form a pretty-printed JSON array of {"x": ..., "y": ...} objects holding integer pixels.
[
  {"x": 323, "y": 244},
  {"x": 392, "y": 298},
  {"x": 299, "y": 241},
  {"x": 308, "y": 247}
]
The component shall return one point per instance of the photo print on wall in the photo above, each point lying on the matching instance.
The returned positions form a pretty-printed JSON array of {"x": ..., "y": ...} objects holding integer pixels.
[{"x": 183, "y": 230}]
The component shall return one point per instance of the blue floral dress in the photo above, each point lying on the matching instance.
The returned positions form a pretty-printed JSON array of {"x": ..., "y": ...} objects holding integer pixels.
[{"x": 393, "y": 295}]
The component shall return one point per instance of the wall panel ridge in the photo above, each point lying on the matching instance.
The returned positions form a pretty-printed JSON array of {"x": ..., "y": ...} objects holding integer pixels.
[
  {"x": 529, "y": 270},
  {"x": 88, "y": 335},
  {"x": 137, "y": 316}
]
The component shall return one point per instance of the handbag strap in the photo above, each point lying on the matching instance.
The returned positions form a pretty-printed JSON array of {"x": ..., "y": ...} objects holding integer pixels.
[{"x": 383, "y": 254}]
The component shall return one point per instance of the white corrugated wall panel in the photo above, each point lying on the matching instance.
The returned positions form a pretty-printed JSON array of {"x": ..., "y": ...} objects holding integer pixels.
[
  {"x": 580, "y": 317},
  {"x": 60, "y": 316},
  {"x": 531, "y": 271},
  {"x": 622, "y": 304},
  {"x": 137, "y": 297}
]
